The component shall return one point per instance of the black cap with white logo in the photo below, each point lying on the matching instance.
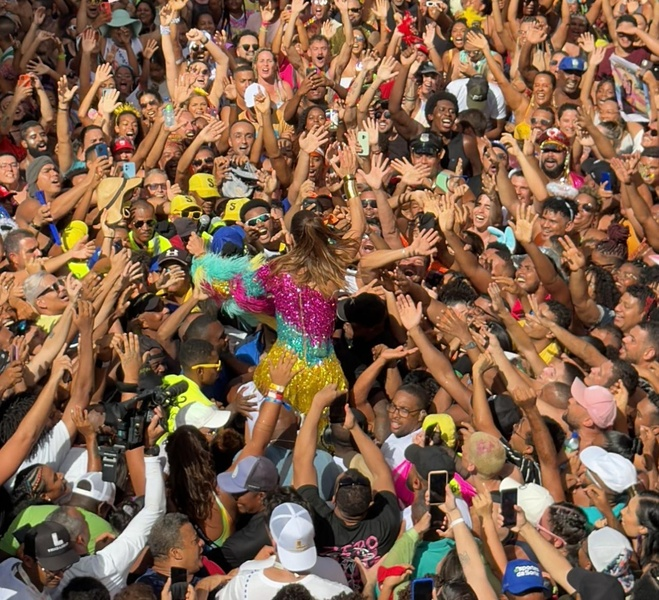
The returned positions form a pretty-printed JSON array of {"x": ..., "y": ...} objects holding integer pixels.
[{"x": 50, "y": 545}]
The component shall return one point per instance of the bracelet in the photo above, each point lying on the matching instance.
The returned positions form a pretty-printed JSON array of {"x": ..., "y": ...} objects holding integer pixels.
[
  {"x": 66, "y": 110},
  {"x": 469, "y": 346},
  {"x": 265, "y": 24},
  {"x": 404, "y": 252},
  {"x": 61, "y": 56},
  {"x": 350, "y": 187},
  {"x": 456, "y": 522},
  {"x": 165, "y": 30},
  {"x": 272, "y": 400},
  {"x": 277, "y": 388},
  {"x": 108, "y": 237},
  {"x": 176, "y": 21}
]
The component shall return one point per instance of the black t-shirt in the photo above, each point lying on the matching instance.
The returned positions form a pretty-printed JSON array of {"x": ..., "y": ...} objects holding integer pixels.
[
  {"x": 357, "y": 354},
  {"x": 369, "y": 540},
  {"x": 243, "y": 545}
]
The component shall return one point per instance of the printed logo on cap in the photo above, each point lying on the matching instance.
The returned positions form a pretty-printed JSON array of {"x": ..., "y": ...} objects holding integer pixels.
[{"x": 57, "y": 543}]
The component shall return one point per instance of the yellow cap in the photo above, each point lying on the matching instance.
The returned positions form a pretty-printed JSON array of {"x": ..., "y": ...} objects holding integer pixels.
[
  {"x": 204, "y": 185},
  {"x": 181, "y": 203},
  {"x": 445, "y": 425},
  {"x": 73, "y": 233},
  {"x": 232, "y": 209}
]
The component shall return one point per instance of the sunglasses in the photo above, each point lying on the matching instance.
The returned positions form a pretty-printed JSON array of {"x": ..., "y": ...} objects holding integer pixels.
[
  {"x": 191, "y": 213},
  {"x": 248, "y": 47},
  {"x": 383, "y": 114},
  {"x": 254, "y": 221},
  {"x": 355, "y": 10},
  {"x": 202, "y": 161},
  {"x": 19, "y": 328},
  {"x": 217, "y": 366},
  {"x": 148, "y": 103},
  {"x": 587, "y": 208},
  {"x": 543, "y": 122},
  {"x": 156, "y": 186},
  {"x": 56, "y": 287},
  {"x": 151, "y": 223},
  {"x": 369, "y": 203}
]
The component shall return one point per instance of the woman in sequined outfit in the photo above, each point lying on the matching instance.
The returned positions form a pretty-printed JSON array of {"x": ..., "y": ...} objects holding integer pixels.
[{"x": 299, "y": 290}]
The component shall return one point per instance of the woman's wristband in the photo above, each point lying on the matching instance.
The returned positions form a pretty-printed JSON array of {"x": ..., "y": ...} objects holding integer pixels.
[{"x": 456, "y": 522}]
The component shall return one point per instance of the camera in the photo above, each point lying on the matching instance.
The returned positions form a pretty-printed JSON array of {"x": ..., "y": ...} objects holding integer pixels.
[{"x": 130, "y": 420}]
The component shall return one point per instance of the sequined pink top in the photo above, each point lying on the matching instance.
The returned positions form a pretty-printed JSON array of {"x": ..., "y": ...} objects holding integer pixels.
[{"x": 305, "y": 318}]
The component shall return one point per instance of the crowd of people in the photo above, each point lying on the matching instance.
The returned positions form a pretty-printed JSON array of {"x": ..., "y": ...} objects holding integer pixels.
[{"x": 329, "y": 299}]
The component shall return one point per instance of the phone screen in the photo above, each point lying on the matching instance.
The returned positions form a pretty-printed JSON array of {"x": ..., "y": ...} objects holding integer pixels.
[
  {"x": 508, "y": 502},
  {"x": 437, "y": 517},
  {"x": 179, "y": 575},
  {"x": 606, "y": 180},
  {"x": 437, "y": 481},
  {"x": 422, "y": 589}
]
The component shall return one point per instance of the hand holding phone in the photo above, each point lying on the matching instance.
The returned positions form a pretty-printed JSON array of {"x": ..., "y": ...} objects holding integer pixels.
[
  {"x": 437, "y": 481},
  {"x": 179, "y": 587},
  {"x": 422, "y": 589},
  {"x": 128, "y": 170},
  {"x": 508, "y": 502},
  {"x": 362, "y": 141}
]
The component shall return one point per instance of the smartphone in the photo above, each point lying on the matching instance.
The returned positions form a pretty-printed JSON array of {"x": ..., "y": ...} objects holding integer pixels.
[
  {"x": 128, "y": 170},
  {"x": 362, "y": 140},
  {"x": 333, "y": 117},
  {"x": 24, "y": 80},
  {"x": 422, "y": 589},
  {"x": 106, "y": 9},
  {"x": 179, "y": 587},
  {"x": 106, "y": 92},
  {"x": 102, "y": 150},
  {"x": 606, "y": 180},
  {"x": 311, "y": 71},
  {"x": 14, "y": 354},
  {"x": 508, "y": 502},
  {"x": 437, "y": 481}
]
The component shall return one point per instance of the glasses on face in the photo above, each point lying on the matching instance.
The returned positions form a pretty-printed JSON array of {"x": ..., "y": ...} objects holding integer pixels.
[
  {"x": 198, "y": 162},
  {"x": 191, "y": 214},
  {"x": 369, "y": 203},
  {"x": 152, "y": 187},
  {"x": 543, "y": 122},
  {"x": 148, "y": 103},
  {"x": 54, "y": 574},
  {"x": 217, "y": 366},
  {"x": 248, "y": 47},
  {"x": 150, "y": 224},
  {"x": 355, "y": 10},
  {"x": 383, "y": 114},
  {"x": 392, "y": 409},
  {"x": 587, "y": 208},
  {"x": 55, "y": 287},
  {"x": 254, "y": 221}
]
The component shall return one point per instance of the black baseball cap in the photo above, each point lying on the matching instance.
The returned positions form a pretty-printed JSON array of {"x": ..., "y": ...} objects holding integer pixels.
[
  {"x": 595, "y": 586},
  {"x": 427, "y": 143},
  {"x": 50, "y": 545},
  {"x": 430, "y": 458},
  {"x": 176, "y": 256}
]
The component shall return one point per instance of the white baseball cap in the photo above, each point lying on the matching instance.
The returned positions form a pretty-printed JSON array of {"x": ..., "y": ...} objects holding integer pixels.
[
  {"x": 532, "y": 498},
  {"x": 293, "y": 533},
  {"x": 199, "y": 415},
  {"x": 607, "y": 546},
  {"x": 91, "y": 485},
  {"x": 616, "y": 472}
]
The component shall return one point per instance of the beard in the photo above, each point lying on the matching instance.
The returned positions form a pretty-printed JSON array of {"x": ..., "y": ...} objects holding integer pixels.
[{"x": 554, "y": 173}]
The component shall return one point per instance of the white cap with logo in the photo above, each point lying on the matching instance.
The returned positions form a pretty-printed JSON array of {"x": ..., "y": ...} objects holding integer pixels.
[{"x": 293, "y": 532}]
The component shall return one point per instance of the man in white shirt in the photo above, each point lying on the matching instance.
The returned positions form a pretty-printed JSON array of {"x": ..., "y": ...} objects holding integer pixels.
[
  {"x": 47, "y": 554},
  {"x": 295, "y": 561},
  {"x": 407, "y": 410},
  {"x": 477, "y": 93}
]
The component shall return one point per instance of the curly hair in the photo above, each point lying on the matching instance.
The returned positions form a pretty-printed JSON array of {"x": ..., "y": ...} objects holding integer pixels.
[
  {"x": 570, "y": 524},
  {"x": 191, "y": 481},
  {"x": 606, "y": 292},
  {"x": 12, "y": 412}
]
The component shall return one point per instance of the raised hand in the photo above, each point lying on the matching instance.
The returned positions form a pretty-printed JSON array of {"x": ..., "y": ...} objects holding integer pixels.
[
  {"x": 64, "y": 94},
  {"x": 103, "y": 74},
  {"x": 478, "y": 40},
  {"x": 109, "y": 103},
  {"x": 387, "y": 69},
  {"x": 379, "y": 173},
  {"x": 586, "y": 42},
  {"x": 327, "y": 395},
  {"x": 572, "y": 255},
  {"x": 283, "y": 372},
  {"x": 311, "y": 140},
  {"x": 344, "y": 162},
  {"x": 150, "y": 49},
  {"x": 446, "y": 216},
  {"x": 424, "y": 244},
  {"x": 523, "y": 225},
  {"x": 409, "y": 313}
]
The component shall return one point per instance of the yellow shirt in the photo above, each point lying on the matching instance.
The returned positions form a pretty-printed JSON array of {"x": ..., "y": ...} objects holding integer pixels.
[
  {"x": 47, "y": 322},
  {"x": 192, "y": 394}
]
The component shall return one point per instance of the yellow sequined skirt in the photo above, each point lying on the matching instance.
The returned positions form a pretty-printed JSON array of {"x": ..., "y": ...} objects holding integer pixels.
[{"x": 309, "y": 380}]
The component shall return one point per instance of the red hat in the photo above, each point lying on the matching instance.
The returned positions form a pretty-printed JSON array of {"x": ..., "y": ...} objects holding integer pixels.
[
  {"x": 554, "y": 135},
  {"x": 121, "y": 144}
]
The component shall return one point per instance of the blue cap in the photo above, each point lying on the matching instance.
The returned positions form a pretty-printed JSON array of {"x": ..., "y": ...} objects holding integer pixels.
[
  {"x": 228, "y": 241},
  {"x": 572, "y": 64},
  {"x": 522, "y": 576}
]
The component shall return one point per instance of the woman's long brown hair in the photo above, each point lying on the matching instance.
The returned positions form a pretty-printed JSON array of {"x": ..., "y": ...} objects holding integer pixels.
[
  {"x": 320, "y": 256},
  {"x": 191, "y": 481}
]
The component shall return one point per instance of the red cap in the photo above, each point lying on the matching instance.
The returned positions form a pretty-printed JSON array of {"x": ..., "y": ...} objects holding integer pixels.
[{"x": 121, "y": 144}]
